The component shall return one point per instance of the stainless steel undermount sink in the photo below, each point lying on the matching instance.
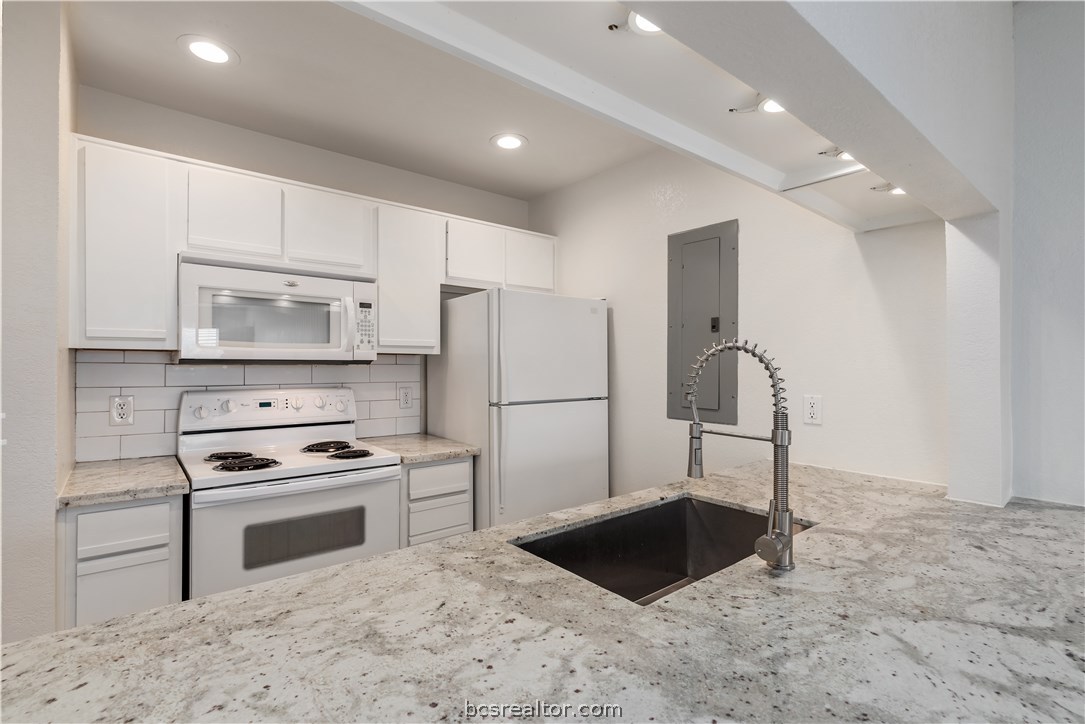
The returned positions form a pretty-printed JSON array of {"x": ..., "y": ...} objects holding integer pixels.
[{"x": 648, "y": 553}]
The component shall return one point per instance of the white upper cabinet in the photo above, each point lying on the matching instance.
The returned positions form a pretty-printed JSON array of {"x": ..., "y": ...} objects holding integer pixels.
[
  {"x": 475, "y": 254},
  {"x": 529, "y": 261},
  {"x": 234, "y": 213},
  {"x": 410, "y": 245},
  {"x": 484, "y": 256},
  {"x": 329, "y": 229},
  {"x": 123, "y": 276}
]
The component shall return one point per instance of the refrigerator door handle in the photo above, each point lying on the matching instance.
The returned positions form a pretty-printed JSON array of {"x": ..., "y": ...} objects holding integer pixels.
[
  {"x": 502, "y": 383},
  {"x": 501, "y": 437}
]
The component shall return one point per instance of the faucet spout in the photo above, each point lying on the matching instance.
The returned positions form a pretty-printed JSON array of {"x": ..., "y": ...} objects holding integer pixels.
[{"x": 775, "y": 547}]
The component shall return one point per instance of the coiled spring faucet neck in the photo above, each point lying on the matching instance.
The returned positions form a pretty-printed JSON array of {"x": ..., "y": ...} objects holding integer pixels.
[{"x": 776, "y": 546}]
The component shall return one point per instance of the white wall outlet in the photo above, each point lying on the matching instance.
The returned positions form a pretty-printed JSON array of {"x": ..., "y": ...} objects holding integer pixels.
[
  {"x": 811, "y": 409},
  {"x": 405, "y": 398},
  {"x": 122, "y": 410}
]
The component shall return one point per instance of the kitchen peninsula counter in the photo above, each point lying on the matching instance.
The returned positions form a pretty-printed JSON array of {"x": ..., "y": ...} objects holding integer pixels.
[
  {"x": 119, "y": 481},
  {"x": 904, "y": 606}
]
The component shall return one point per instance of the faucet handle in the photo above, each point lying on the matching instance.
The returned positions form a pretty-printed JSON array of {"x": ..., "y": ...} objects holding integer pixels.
[{"x": 770, "y": 547}]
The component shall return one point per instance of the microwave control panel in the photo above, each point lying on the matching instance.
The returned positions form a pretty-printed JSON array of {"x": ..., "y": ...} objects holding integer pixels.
[
  {"x": 367, "y": 326},
  {"x": 365, "y": 332}
]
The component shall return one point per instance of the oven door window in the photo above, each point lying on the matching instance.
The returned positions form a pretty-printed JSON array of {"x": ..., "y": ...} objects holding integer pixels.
[
  {"x": 257, "y": 320},
  {"x": 292, "y": 538}
]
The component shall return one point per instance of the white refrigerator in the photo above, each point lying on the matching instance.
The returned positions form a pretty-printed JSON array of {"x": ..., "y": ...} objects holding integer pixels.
[{"x": 523, "y": 375}]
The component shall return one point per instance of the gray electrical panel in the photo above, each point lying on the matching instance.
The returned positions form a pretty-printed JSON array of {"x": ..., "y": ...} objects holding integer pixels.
[{"x": 702, "y": 307}]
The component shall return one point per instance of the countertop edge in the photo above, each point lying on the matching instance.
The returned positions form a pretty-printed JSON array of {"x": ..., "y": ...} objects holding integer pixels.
[
  {"x": 424, "y": 448},
  {"x": 120, "y": 481}
]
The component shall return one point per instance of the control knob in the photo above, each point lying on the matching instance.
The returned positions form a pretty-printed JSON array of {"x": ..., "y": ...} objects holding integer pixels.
[
  {"x": 319, "y": 401},
  {"x": 297, "y": 402},
  {"x": 340, "y": 406},
  {"x": 201, "y": 412},
  {"x": 229, "y": 406}
]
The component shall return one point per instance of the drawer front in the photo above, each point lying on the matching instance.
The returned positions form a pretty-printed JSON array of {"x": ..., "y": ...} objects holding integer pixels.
[
  {"x": 438, "y": 480},
  {"x": 107, "y": 532},
  {"x": 430, "y": 515},
  {"x": 127, "y": 586},
  {"x": 439, "y": 534}
]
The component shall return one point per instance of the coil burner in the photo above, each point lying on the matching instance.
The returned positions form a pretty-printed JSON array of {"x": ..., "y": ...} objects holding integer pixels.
[
  {"x": 218, "y": 457},
  {"x": 327, "y": 446},
  {"x": 249, "y": 463},
  {"x": 350, "y": 454}
]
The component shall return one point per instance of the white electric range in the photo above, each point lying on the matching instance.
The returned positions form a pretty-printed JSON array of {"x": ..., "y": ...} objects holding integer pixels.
[{"x": 280, "y": 485}]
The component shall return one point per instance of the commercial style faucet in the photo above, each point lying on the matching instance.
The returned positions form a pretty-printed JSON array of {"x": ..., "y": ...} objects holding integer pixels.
[{"x": 775, "y": 546}]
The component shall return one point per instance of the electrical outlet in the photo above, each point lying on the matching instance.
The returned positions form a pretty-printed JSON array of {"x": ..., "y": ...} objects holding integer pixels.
[
  {"x": 811, "y": 409},
  {"x": 404, "y": 398},
  {"x": 122, "y": 410}
]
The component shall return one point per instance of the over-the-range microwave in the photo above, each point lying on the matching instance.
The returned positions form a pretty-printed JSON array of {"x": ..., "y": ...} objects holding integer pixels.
[{"x": 245, "y": 314}]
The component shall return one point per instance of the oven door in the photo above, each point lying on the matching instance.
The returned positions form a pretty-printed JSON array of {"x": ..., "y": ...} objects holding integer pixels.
[
  {"x": 244, "y": 314},
  {"x": 251, "y": 533}
]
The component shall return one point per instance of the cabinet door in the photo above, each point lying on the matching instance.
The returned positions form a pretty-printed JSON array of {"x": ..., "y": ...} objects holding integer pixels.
[
  {"x": 330, "y": 230},
  {"x": 234, "y": 213},
  {"x": 475, "y": 254},
  {"x": 123, "y": 279},
  {"x": 409, "y": 281},
  {"x": 529, "y": 261}
]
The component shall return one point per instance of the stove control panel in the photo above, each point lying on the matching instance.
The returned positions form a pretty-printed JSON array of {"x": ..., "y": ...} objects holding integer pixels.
[{"x": 203, "y": 410}]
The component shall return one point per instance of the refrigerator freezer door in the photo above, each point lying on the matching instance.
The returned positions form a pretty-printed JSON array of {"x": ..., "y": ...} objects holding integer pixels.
[
  {"x": 545, "y": 457},
  {"x": 547, "y": 347}
]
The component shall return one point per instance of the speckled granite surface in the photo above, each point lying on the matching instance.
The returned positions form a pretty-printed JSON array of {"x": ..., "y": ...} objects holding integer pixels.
[
  {"x": 903, "y": 607},
  {"x": 115, "y": 481},
  {"x": 422, "y": 448}
]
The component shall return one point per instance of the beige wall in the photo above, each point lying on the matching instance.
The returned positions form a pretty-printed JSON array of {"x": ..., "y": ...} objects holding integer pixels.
[
  {"x": 123, "y": 119},
  {"x": 858, "y": 319},
  {"x": 36, "y": 367}
]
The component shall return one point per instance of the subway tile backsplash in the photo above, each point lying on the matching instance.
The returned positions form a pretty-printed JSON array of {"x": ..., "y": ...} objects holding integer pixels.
[{"x": 156, "y": 386}]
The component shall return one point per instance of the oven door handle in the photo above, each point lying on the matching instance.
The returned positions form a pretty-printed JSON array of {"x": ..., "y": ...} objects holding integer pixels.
[{"x": 264, "y": 491}]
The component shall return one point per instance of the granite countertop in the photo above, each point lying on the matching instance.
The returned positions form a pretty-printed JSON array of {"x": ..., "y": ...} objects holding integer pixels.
[
  {"x": 422, "y": 448},
  {"x": 904, "y": 606},
  {"x": 117, "y": 481}
]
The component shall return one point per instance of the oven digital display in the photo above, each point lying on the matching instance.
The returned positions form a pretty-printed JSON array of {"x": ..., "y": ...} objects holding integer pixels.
[
  {"x": 365, "y": 305},
  {"x": 265, "y": 404}
]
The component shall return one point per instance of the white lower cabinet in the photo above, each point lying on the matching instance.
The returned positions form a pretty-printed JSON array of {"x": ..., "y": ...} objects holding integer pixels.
[
  {"x": 118, "y": 558},
  {"x": 437, "y": 500}
]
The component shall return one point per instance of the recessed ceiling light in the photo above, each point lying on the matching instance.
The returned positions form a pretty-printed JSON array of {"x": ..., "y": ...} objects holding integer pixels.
[
  {"x": 640, "y": 24},
  {"x": 209, "y": 50},
  {"x": 896, "y": 191},
  {"x": 845, "y": 156},
  {"x": 508, "y": 141}
]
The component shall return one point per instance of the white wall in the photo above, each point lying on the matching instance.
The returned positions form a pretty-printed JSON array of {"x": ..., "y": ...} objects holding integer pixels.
[
  {"x": 948, "y": 67},
  {"x": 36, "y": 370},
  {"x": 1049, "y": 253},
  {"x": 123, "y": 119},
  {"x": 857, "y": 319}
]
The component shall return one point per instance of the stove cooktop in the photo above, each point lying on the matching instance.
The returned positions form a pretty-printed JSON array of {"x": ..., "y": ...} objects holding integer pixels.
[
  {"x": 278, "y": 462},
  {"x": 239, "y": 436}
]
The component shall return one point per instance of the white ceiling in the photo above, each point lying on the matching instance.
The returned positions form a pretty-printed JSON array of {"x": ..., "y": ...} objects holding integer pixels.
[{"x": 319, "y": 74}]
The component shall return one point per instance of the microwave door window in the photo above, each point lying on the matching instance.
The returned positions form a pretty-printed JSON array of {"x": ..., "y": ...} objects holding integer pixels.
[{"x": 257, "y": 322}]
